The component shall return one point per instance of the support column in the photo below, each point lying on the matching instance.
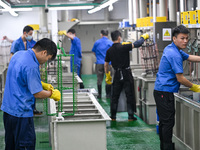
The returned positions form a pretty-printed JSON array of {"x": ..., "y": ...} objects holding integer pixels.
[
  {"x": 162, "y": 8},
  {"x": 143, "y": 8},
  {"x": 154, "y": 11},
  {"x": 54, "y": 25},
  {"x": 172, "y": 10}
]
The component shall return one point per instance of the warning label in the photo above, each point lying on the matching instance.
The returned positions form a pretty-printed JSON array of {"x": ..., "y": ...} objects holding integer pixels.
[{"x": 167, "y": 34}]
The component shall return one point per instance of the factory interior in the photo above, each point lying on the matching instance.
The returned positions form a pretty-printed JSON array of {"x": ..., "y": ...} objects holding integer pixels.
[{"x": 81, "y": 120}]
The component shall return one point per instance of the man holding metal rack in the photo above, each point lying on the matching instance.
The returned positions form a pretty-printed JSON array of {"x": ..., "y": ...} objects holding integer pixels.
[{"x": 118, "y": 55}]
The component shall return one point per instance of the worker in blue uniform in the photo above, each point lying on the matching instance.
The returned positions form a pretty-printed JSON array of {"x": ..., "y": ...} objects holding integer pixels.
[
  {"x": 99, "y": 49},
  {"x": 76, "y": 50},
  {"x": 23, "y": 85},
  {"x": 168, "y": 80},
  {"x": 118, "y": 55},
  {"x": 22, "y": 42}
]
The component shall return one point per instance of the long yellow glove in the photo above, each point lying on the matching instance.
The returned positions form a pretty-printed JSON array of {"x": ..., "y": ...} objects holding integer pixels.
[
  {"x": 124, "y": 43},
  {"x": 55, "y": 95},
  {"x": 145, "y": 36},
  {"x": 62, "y": 32},
  {"x": 108, "y": 78},
  {"x": 47, "y": 86},
  {"x": 195, "y": 88}
]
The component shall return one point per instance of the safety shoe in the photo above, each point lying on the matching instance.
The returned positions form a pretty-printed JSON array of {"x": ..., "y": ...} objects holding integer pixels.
[
  {"x": 132, "y": 119},
  {"x": 36, "y": 112}
]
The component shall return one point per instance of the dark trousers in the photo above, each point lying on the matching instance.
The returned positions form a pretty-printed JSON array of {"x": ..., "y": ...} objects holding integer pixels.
[
  {"x": 19, "y": 133},
  {"x": 127, "y": 83},
  {"x": 166, "y": 112}
]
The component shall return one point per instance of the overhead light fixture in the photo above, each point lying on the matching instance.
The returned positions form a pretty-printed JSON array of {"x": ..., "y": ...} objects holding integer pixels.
[
  {"x": 7, "y": 7},
  {"x": 71, "y": 8},
  {"x": 101, "y": 6}
]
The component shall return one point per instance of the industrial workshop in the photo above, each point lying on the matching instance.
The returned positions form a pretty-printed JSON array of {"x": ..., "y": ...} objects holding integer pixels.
[{"x": 99, "y": 75}]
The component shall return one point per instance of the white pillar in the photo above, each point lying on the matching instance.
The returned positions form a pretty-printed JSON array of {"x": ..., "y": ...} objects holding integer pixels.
[
  {"x": 198, "y": 4},
  {"x": 182, "y": 5},
  {"x": 135, "y": 9},
  {"x": 154, "y": 10},
  {"x": 54, "y": 25},
  {"x": 150, "y": 11},
  {"x": 162, "y": 8},
  {"x": 172, "y": 10},
  {"x": 130, "y": 11},
  {"x": 143, "y": 8},
  {"x": 43, "y": 17}
]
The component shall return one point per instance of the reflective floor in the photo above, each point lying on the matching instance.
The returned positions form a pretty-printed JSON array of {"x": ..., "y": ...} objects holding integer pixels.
[{"x": 121, "y": 135}]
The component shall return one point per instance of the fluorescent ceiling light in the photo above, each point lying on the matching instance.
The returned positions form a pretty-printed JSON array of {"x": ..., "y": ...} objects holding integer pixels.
[
  {"x": 8, "y": 8},
  {"x": 71, "y": 8},
  {"x": 101, "y": 6},
  {"x": 18, "y": 9}
]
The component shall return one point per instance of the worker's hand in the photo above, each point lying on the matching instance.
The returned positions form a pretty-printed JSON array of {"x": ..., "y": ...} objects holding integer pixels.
[
  {"x": 145, "y": 36},
  {"x": 62, "y": 32},
  {"x": 47, "y": 86},
  {"x": 195, "y": 88},
  {"x": 124, "y": 43},
  {"x": 108, "y": 78},
  {"x": 55, "y": 95}
]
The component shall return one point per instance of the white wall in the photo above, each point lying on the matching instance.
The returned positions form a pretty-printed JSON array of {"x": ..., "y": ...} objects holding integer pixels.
[{"x": 13, "y": 26}]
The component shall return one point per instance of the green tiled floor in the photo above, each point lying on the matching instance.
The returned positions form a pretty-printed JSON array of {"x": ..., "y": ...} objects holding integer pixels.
[{"x": 121, "y": 135}]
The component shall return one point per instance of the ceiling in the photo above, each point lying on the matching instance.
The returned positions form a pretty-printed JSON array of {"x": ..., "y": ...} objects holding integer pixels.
[{"x": 41, "y": 3}]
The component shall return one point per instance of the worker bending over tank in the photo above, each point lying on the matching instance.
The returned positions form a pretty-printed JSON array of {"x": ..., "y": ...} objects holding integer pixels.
[
  {"x": 23, "y": 85},
  {"x": 168, "y": 80},
  {"x": 118, "y": 55}
]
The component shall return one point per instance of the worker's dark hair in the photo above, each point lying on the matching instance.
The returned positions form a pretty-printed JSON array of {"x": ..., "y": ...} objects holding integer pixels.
[
  {"x": 104, "y": 32},
  {"x": 72, "y": 31},
  {"x": 46, "y": 44},
  {"x": 27, "y": 29},
  {"x": 179, "y": 29},
  {"x": 115, "y": 34}
]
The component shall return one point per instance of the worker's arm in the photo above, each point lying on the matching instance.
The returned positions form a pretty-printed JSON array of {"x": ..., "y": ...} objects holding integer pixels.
[
  {"x": 139, "y": 42},
  {"x": 11, "y": 54},
  {"x": 106, "y": 64},
  {"x": 43, "y": 94},
  {"x": 70, "y": 36},
  {"x": 9, "y": 40},
  {"x": 194, "y": 58},
  {"x": 181, "y": 79}
]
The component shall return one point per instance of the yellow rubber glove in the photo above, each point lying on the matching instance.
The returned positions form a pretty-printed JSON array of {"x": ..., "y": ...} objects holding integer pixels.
[
  {"x": 124, "y": 43},
  {"x": 62, "y": 32},
  {"x": 47, "y": 86},
  {"x": 145, "y": 36},
  {"x": 55, "y": 95},
  {"x": 195, "y": 88},
  {"x": 108, "y": 78}
]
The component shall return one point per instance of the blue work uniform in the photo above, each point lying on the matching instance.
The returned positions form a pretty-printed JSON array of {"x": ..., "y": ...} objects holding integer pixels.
[
  {"x": 171, "y": 63},
  {"x": 165, "y": 85},
  {"x": 76, "y": 50},
  {"x": 100, "y": 48},
  {"x": 18, "y": 45},
  {"x": 32, "y": 43},
  {"x": 22, "y": 82}
]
